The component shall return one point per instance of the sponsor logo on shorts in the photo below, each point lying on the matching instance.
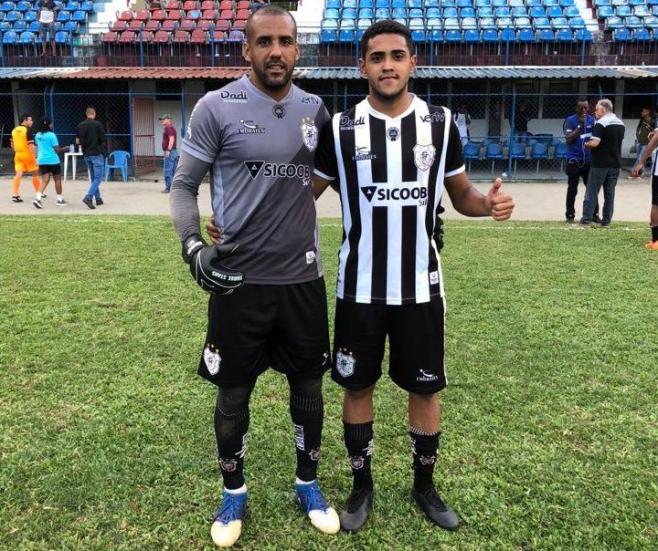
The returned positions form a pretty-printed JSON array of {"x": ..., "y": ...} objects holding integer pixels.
[
  {"x": 279, "y": 170},
  {"x": 250, "y": 127},
  {"x": 345, "y": 363},
  {"x": 212, "y": 359},
  {"x": 233, "y": 97},
  {"x": 426, "y": 377}
]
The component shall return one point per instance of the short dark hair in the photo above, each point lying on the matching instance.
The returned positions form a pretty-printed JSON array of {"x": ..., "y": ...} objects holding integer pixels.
[
  {"x": 25, "y": 116},
  {"x": 385, "y": 26},
  {"x": 45, "y": 125},
  {"x": 271, "y": 10}
]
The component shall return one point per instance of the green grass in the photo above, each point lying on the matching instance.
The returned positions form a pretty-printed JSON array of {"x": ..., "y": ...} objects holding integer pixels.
[{"x": 550, "y": 421}]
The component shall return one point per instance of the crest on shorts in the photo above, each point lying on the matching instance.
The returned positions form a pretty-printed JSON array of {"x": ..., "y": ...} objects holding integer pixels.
[
  {"x": 345, "y": 363},
  {"x": 424, "y": 156},
  {"x": 309, "y": 133},
  {"x": 212, "y": 359}
]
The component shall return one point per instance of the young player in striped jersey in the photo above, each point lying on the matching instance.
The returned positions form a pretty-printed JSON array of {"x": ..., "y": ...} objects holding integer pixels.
[
  {"x": 637, "y": 170},
  {"x": 390, "y": 158}
]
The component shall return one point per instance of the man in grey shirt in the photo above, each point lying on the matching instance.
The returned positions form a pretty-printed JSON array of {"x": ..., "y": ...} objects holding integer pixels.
[{"x": 258, "y": 136}]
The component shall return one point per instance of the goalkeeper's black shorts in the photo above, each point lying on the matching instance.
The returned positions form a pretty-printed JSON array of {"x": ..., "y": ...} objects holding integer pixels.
[{"x": 259, "y": 326}]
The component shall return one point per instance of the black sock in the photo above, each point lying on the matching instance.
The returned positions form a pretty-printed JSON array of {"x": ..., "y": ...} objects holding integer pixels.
[
  {"x": 654, "y": 233},
  {"x": 359, "y": 444},
  {"x": 231, "y": 428},
  {"x": 424, "y": 448},
  {"x": 307, "y": 412}
]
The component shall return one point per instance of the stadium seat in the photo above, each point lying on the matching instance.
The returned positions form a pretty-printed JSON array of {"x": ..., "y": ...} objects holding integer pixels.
[
  {"x": 365, "y": 13},
  {"x": 517, "y": 152},
  {"x": 537, "y": 11},
  {"x": 502, "y": 12},
  {"x": 614, "y": 22},
  {"x": 72, "y": 27},
  {"x": 127, "y": 37},
  {"x": 642, "y": 35},
  {"x": 539, "y": 152},
  {"x": 450, "y": 12},
  {"x": 349, "y": 13},
  {"x": 508, "y": 35},
  {"x": 633, "y": 22},
  {"x": 467, "y": 12},
  {"x": 158, "y": 15},
  {"x": 523, "y": 23},
  {"x": 243, "y": 5},
  {"x": 13, "y": 15},
  {"x": 641, "y": 11},
  {"x": 187, "y": 25},
  {"x": 623, "y": 11},
  {"x": 471, "y": 152},
  {"x": 193, "y": 14},
  {"x": 554, "y": 11},
  {"x": 238, "y": 26},
  {"x": 415, "y": 3},
  {"x": 436, "y": 36},
  {"x": 560, "y": 153},
  {"x": 519, "y": 11},
  {"x": 434, "y": 23},
  {"x": 604, "y": 12},
  {"x": 485, "y": 12},
  {"x": 494, "y": 152},
  {"x": 471, "y": 36},
  {"x": 399, "y": 13},
  {"x": 350, "y": 3},
  {"x": 526, "y": 35},
  {"x": 621, "y": 35},
  {"x": 328, "y": 36},
  {"x": 577, "y": 23},
  {"x": 583, "y": 35},
  {"x": 328, "y": 24},
  {"x": 418, "y": 35},
  {"x": 23, "y": 6},
  {"x": 62, "y": 38},
  {"x": 169, "y": 25},
  {"x": 451, "y": 23},
  {"x": 207, "y": 25},
  {"x": 110, "y": 37},
  {"x": 26, "y": 38},
  {"x": 382, "y": 13},
  {"x": 209, "y": 5},
  {"x": 453, "y": 36},
  {"x": 545, "y": 35},
  {"x": 30, "y": 16},
  {"x": 416, "y": 24},
  {"x": 564, "y": 35},
  {"x": 540, "y": 23},
  {"x": 469, "y": 23},
  {"x": 366, "y": 4},
  {"x": 487, "y": 23},
  {"x": 79, "y": 16},
  {"x": 20, "y": 26},
  {"x": 346, "y": 35},
  {"x": 363, "y": 23},
  {"x": 651, "y": 22},
  {"x": 117, "y": 160},
  {"x": 198, "y": 36},
  {"x": 431, "y": 13},
  {"x": 209, "y": 15},
  {"x": 382, "y": 3},
  {"x": 415, "y": 13},
  {"x": 461, "y": 3},
  {"x": 34, "y": 26},
  {"x": 560, "y": 23},
  {"x": 347, "y": 24},
  {"x": 504, "y": 23},
  {"x": 567, "y": 3},
  {"x": 162, "y": 37},
  {"x": 7, "y": 6},
  {"x": 489, "y": 35},
  {"x": 189, "y": 5}
]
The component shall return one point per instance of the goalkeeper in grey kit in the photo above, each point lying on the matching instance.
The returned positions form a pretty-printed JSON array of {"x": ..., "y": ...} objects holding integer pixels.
[{"x": 267, "y": 295}]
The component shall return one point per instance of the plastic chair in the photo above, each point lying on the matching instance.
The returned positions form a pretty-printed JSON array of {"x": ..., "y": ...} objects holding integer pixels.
[
  {"x": 539, "y": 152},
  {"x": 117, "y": 159},
  {"x": 516, "y": 152},
  {"x": 471, "y": 153},
  {"x": 560, "y": 152},
  {"x": 494, "y": 152}
]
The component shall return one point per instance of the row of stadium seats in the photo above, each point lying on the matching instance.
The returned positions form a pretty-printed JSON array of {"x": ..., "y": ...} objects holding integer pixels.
[
  {"x": 472, "y": 36},
  {"x": 171, "y": 26},
  {"x": 505, "y": 11},
  {"x": 631, "y": 22},
  {"x": 188, "y": 5},
  {"x": 624, "y": 11},
  {"x": 197, "y": 36},
  {"x": 24, "y": 6},
  {"x": 341, "y": 4},
  {"x": 28, "y": 37},
  {"x": 598, "y": 3},
  {"x": 635, "y": 35},
  {"x": 62, "y": 17},
  {"x": 177, "y": 15},
  {"x": 494, "y": 151},
  {"x": 34, "y": 26},
  {"x": 468, "y": 23}
]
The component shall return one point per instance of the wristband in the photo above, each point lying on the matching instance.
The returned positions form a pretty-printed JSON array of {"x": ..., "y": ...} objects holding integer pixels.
[{"x": 192, "y": 245}]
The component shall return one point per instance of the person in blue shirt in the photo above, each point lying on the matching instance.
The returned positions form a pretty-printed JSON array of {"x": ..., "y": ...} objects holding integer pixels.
[
  {"x": 48, "y": 160},
  {"x": 577, "y": 130}
]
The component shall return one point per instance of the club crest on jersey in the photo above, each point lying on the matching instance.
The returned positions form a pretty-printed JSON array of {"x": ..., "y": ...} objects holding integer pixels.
[
  {"x": 424, "y": 156},
  {"x": 345, "y": 363},
  {"x": 279, "y": 111},
  {"x": 393, "y": 133},
  {"x": 212, "y": 359},
  {"x": 309, "y": 133}
]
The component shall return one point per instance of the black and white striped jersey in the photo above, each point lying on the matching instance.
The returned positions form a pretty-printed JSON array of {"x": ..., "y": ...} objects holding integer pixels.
[{"x": 390, "y": 174}]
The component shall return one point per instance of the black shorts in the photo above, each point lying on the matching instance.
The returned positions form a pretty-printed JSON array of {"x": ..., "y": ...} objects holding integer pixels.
[
  {"x": 55, "y": 170},
  {"x": 654, "y": 190},
  {"x": 259, "y": 326},
  {"x": 415, "y": 333}
]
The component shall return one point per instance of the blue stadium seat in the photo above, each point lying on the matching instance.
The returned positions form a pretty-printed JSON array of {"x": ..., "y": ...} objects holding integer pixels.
[
  {"x": 415, "y": 3},
  {"x": 453, "y": 36},
  {"x": 450, "y": 12},
  {"x": 467, "y": 12},
  {"x": 349, "y": 13},
  {"x": 504, "y": 23},
  {"x": 567, "y": 3},
  {"x": 7, "y": 6},
  {"x": 27, "y": 37},
  {"x": 347, "y": 24},
  {"x": 571, "y": 11},
  {"x": 519, "y": 11},
  {"x": 526, "y": 35},
  {"x": 583, "y": 35},
  {"x": 435, "y": 35},
  {"x": 560, "y": 151},
  {"x": 418, "y": 35},
  {"x": 489, "y": 35},
  {"x": 560, "y": 23},
  {"x": 81, "y": 16},
  {"x": 554, "y": 11},
  {"x": 23, "y": 6},
  {"x": 328, "y": 36},
  {"x": 469, "y": 23},
  {"x": 432, "y": 4},
  {"x": 462, "y": 3},
  {"x": 623, "y": 11},
  {"x": 619, "y": 2},
  {"x": 604, "y": 12},
  {"x": 564, "y": 35},
  {"x": 577, "y": 23},
  {"x": 641, "y": 11},
  {"x": 34, "y": 26},
  {"x": 382, "y": 3},
  {"x": 537, "y": 11},
  {"x": 517, "y": 152},
  {"x": 414, "y": 13},
  {"x": 533, "y": 3},
  {"x": 451, "y": 23},
  {"x": 471, "y": 36},
  {"x": 363, "y": 23},
  {"x": 498, "y": 3},
  {"x": 346, "y": 35},
  {"x": 548, "y": 3},
  {"x": 508, "y": 35},
  {"x": 366, "y": 4},
  {"x": 539, "y": 152},
  {"x": 359, "y": 35},
  {"x": 417, "y": 23},
  {"x": 635, "y": 2},
  {"x": 448, "y": 3},
  {"x": 516, "y": 4},
  {"x": 541, "y": 23},
  {"x": 471, "y": 152},
  {"x": 382, "y": 13},
  {"x": 432, "y": 13},
  {"x": 71, "y": 5},
  {"x": 598, "y": 3},
  {"x": 399, "y": 12},
  {"x": 398, "y": 4},
  {"x": 614, "y": 22},
  {"x": 20, "y": 26},
  {"x": 401, "y": 21},
  {"x": 502, "y": 12},
  {"x": 5, "y": 26},
  {"x": 9, "y": 37},
  {"x": 642, "y": 35},
  {"x": 87, "y": 6},
  {"x": 13, "y": 16},
  {"x": 434, "y": 23},
  {"x": 350, "y": 3},
  {"x": 545, "y": 35},
  {"x": 621, "y": 35},
  {"x": 62, "y": 37},
  {"x": 485, "y": 12},
  {"x": 63, "y": 16},
  {"x": 330, "y": 24},
  {"x": 633, "y": 22},
  {"x": 333, "y": 4},
  {"x": 365, "y": 13},
  {"x": 483, "y": 3},
  {"x": 523, "y": 23},
  {"x": 651, "y": 22},
  {"x": 493, "y": 152},
  {"x": 487, "y": 23},
  {"x": 29, "y": 16},
  {"x": 71, "y": 26}
]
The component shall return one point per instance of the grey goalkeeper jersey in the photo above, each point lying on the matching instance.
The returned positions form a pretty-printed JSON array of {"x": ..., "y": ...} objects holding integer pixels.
[{"x": 261, "y": 154}]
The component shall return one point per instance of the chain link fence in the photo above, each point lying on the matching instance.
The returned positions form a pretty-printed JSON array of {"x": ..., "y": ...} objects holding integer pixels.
[{"x": 514, "y": 128}]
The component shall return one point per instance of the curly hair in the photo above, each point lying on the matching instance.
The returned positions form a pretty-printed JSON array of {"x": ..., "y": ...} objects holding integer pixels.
[{"x": 386, "y": 26}]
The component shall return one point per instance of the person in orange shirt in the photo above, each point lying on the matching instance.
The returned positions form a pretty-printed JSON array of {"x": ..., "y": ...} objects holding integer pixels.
[{"x": 22, "y": 142}]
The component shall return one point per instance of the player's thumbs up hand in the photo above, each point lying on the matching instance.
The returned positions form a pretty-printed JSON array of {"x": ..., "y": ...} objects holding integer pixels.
[{"x": 501, "y": 204}]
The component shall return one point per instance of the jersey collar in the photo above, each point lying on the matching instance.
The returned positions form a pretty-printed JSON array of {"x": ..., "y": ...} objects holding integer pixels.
[
  {"x": 252, "y": 89},
  {"x": 377, "y": 114}
]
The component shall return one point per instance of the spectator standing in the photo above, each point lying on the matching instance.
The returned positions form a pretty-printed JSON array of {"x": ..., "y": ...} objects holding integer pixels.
[
  {"x": 605, "y": 143},
  {"x": 22, "y": 142},
  {"x": 46, "y": 18},
  {"x": 645, "y": 126},
  {"x": 91, "y": 136},
  {"x": 48, "y": 160},
  {"x": 169, "y": 143},
  {"x": 463, "y": 121},
  {"x": 577, "y": 130},
  {"x": 521, "y": 119}
]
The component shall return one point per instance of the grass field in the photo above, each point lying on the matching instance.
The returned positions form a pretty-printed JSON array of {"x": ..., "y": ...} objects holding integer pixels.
[{"x": 550, "y": 419}]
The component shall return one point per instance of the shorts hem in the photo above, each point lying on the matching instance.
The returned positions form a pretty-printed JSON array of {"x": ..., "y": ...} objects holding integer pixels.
[
  {"x": 340, "y": 381},
  {"x": 424, "y": 390}
]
